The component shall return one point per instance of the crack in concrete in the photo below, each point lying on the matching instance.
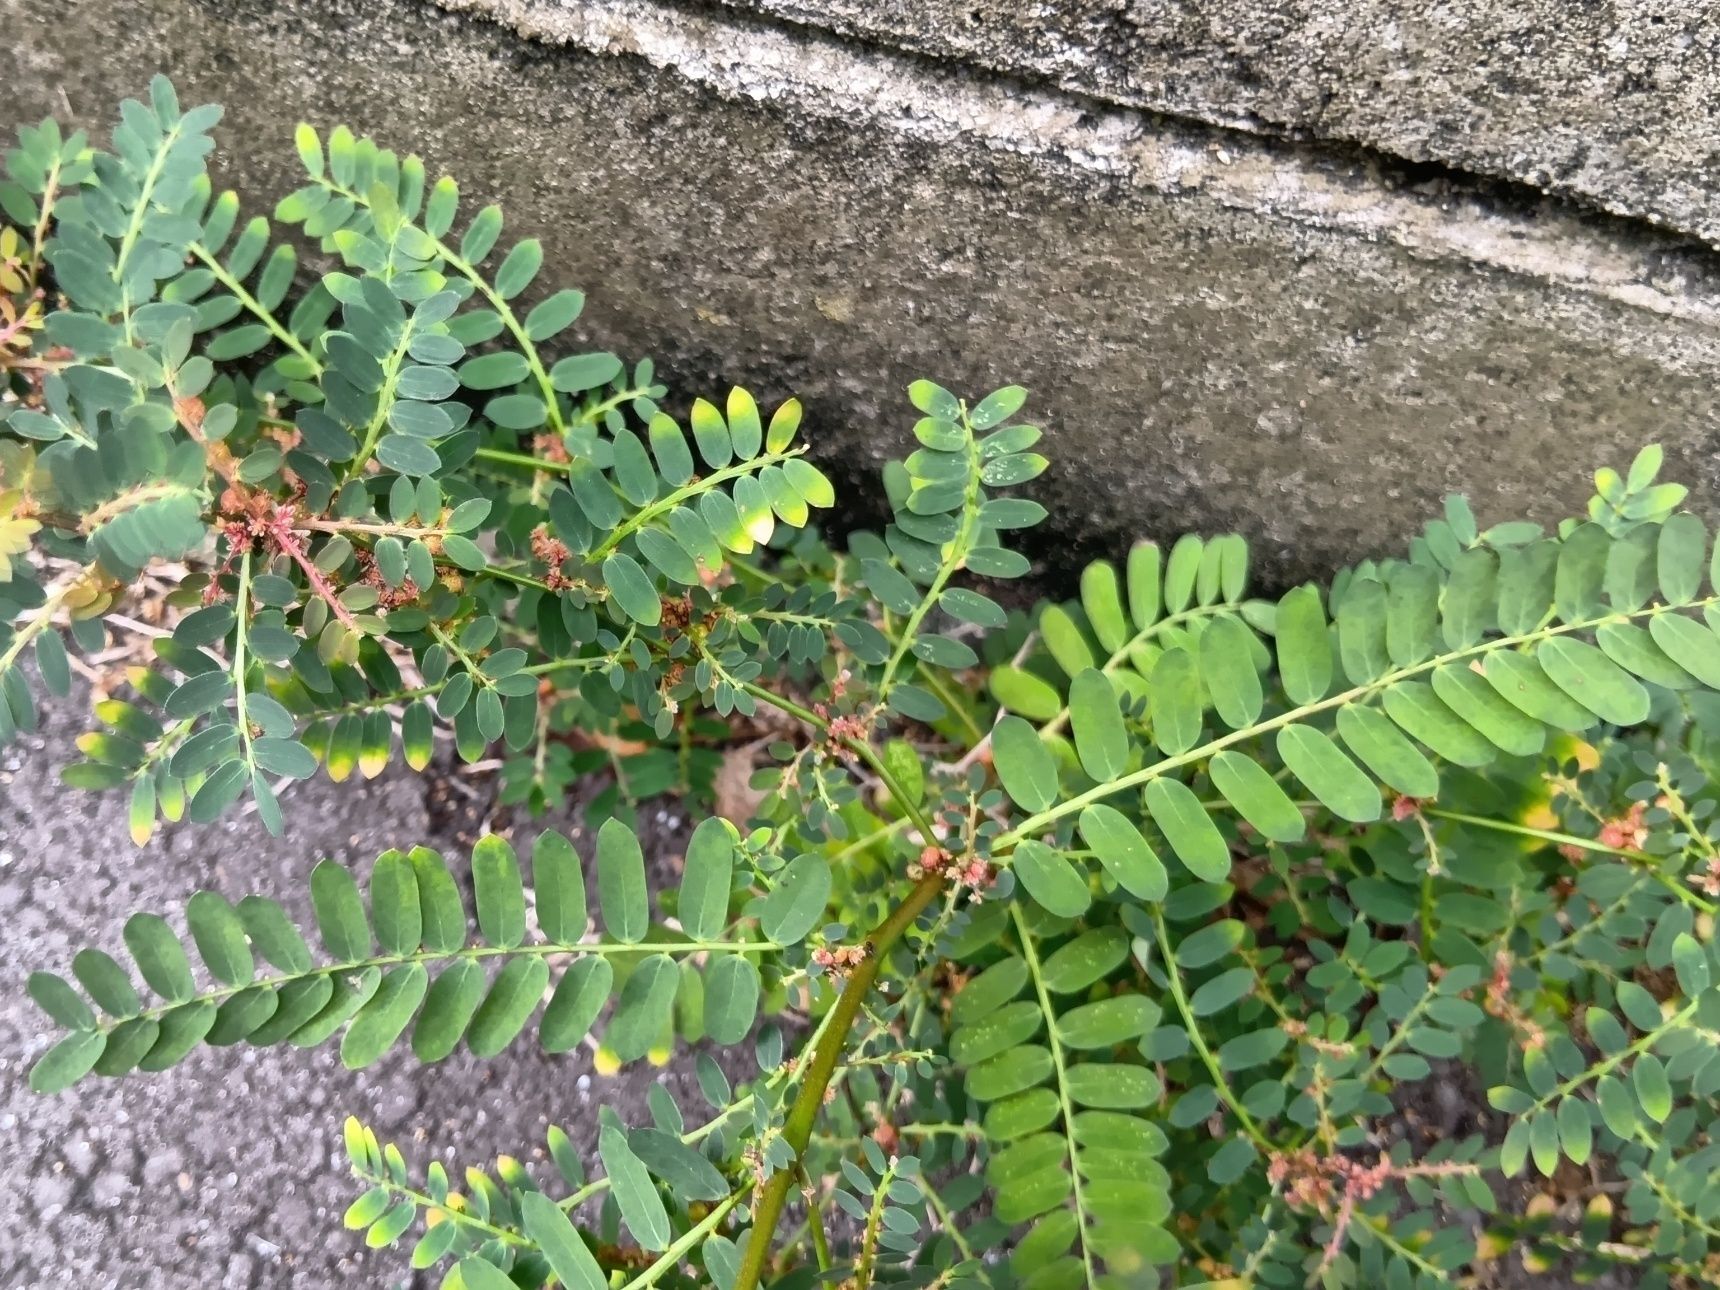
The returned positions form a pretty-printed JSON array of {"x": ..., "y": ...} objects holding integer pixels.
[{"x": 1494, "y": 224}]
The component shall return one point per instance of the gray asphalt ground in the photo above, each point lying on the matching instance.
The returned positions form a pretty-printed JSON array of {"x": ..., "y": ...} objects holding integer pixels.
[{"x": 227, "y": 1171}]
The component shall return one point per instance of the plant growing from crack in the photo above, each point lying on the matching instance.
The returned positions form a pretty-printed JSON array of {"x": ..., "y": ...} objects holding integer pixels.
[{"x": 1137, "y": 917}]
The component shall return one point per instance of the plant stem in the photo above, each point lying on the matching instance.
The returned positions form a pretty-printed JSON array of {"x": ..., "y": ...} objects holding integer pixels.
[
  {"x": 675, "y": 1253},
  {"x": 815, "y": 1221},
  {"x": 1039, "y": 822},
  {"x": 524, "y": 460},
  {"x": 255, "y": 306},
  {"x": 874, "y": 1221},
  {"x": 391, "y": 367},
  {"x": 940, "y": 686},
  {"x": 377, "y": 702},
  {"x": 140, "y": 495},
  {"x": 797, "y": 1129},
  {"x": 669, "y": 502},
  {"x": 859, "y": 747},
  {"x": 407, "y": 531},
  {"x": 955, "y": 558},
  {"x": 1659, "y": 1188},
  {"x": 1030, "y": 954},
  {"x": 241, "y": 625},
  {"x": 1613, "y": 1252},
  {"x": 39, "y": 238},
  {"x": 967, "y": 1132},
  {"x": 947, "y": 1221},
  {"x": 1608, "y": 1064},
  {"x": 1651, "y": 863},
  {"x": 140, "y": 211},
  {"x": 42, "y": 618},
  {"x": 602, "y": 407},
  {"x": 1400, "y": 1034},
  {"x": 429, "y": 1203},
  {"x": 1121, "y": 654},
  {"x": 889, "y": 830},
  {"x": 1194, "y": 1029},
  {"x": 1383, "y": 1234},
  {"x": 493, "y": 298},
  {"x": 787, "y": 1076},
  {"x": 1577, "y": 933},
  {"x": 500, "y": 574},
  {"x": 827, "y": 1054},
  {"x": 606, "y": 949}
]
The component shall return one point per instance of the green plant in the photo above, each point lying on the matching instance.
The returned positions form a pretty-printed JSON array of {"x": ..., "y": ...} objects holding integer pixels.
[{"x": 1116, "y": 937}]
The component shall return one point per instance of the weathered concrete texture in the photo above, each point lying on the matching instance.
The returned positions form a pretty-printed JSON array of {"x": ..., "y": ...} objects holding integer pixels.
[
  {"x": 227, "y": 1171},
  {"x": 1219, "y": 331},
  {"x": 1617, "y": 103}
]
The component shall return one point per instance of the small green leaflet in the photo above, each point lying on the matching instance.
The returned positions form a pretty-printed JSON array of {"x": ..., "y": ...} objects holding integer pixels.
[
  {"x": 1124, "y": 852},
  {"x": 1051, "y": 879},
  {"x": 1024, "y": 764},
  {"x": 705, "y": 882},
  {"x": 641, "y": 1207},
  {"x": 563, "y": 1247},
  {"x": 621, "y": 890},
  {"x": 797, "y": 902}
]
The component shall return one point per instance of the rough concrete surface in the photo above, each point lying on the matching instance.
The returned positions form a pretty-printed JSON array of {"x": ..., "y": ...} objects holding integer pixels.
[
  {"x": 227, "y": 1171},
  {"x": 1616, "y": 103},
  {"x": 1219, "y": 330}
]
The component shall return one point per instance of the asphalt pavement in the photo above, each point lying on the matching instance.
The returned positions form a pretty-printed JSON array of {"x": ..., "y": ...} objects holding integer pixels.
[{"x": 227, "y": 1171}]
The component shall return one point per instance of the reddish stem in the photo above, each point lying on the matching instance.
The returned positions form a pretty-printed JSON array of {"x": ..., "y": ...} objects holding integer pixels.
[{"x": 281, "y": 532}]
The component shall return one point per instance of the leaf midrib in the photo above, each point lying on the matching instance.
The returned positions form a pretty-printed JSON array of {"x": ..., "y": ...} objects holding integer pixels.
[
  {"x": 605, "y": 949},
  {"x": 1040, "y": 821}
]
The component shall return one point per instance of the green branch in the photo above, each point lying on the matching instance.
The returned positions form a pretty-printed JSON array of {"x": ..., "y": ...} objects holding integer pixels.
[
  {"x": 1651, "y": 864},
  {"x": 815, "y": 1220},
  {"x": 40, "y": 620},
  {"x": 516, "y": 329},
  {"x": 695, "y": 1235},
  {"x": 255, "y": 307},
  {"x": 1192, "y": 1026},
  {"x": 1030, "y": 954},
  {"x": 874, "y": 1221},
  {"x": 1382, "y": 1233},
  {"x": 524, "y": 460},
  {"x": 377, "y": 702},
  {"x": 797, "y": 1129},
  {"x": 955, "y": 557},
  {"x": 391, "y": 367},
  {"x": 591, "y": 414},
  {"x": 859, "y": 747},
  {"x": 496, "y": 301},
  {"x": 1608, "y": 1064},
  {"x": 140, "y": 212},
  {"x": 241, "y": 608},
  {"x": 1121, "y": 654},
  {"x": 1042, "y": 820},
  {"x": 459, "y": 1217},
  {"x": 39, "y": 235},
  {"x": 602, "y": 949},
  {"x": 663, "y": 505}
]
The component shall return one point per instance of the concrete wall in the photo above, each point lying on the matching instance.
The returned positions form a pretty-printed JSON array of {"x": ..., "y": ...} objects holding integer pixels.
[
  {"x": 1608, "y": 101},
  {"x": 1311, "y": 339}
]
